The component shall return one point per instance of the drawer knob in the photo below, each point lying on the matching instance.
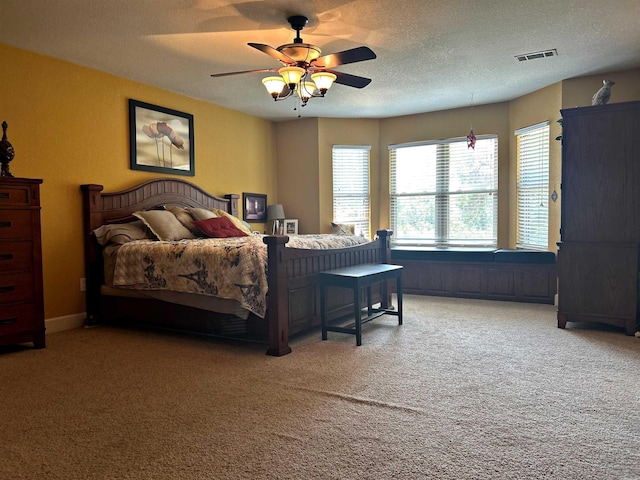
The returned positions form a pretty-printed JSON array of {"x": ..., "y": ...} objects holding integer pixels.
[
  {"x": 4, "y": 195},
  {"x": 8, "y": 288},
  {"x": 5, "y": 224},
  {"x": 6, "y": 256},
  {"x": 8, "y": 321}
]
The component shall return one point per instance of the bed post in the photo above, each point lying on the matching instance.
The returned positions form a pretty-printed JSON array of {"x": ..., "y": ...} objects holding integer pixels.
[
  {"x": 278, "y": 296},
  {"x": 233, "y": 203},
  {"x": 92, "y": 218},
  {"x": 385, "y": 257}
]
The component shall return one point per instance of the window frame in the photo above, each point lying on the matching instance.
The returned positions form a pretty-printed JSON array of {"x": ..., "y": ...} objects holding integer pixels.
[
  {"x": 444, "y": 197},
  {"x": 362, "y": 223},
  {"x": 532, "y": 186}
]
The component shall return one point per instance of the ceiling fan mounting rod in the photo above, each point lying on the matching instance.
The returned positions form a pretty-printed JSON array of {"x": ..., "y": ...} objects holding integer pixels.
[{"x": 298, "y": 22}]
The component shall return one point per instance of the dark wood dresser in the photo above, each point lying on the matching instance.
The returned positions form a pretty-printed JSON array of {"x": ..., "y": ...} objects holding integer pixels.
[
  {"x": 21, "y": 295},
  {"x": 600, "y": 227}
]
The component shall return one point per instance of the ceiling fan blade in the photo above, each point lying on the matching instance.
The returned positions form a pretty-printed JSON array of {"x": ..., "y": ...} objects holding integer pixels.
[
  {"x": 350, "y": 80},
  {"x": 278, "y": 55},
  {"x": 359, "y": 54},
  {"x": 262, "y": 70}
]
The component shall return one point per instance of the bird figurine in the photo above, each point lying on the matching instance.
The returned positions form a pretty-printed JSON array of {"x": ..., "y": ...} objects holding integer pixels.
[{"x": 601, "y": 97}]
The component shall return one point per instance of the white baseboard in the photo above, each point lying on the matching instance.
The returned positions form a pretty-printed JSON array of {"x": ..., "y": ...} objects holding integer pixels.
[{"x": 58, "y": 324}]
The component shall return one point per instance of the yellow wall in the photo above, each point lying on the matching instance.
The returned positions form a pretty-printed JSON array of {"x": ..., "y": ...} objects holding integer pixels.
[{"x": 69, "y": 125}]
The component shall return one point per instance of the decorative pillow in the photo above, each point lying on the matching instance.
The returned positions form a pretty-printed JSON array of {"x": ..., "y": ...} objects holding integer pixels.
[
  {"x": 121, "y": 233},
  {"x": 220, "y": 227},
  {"x": 236, "y": 221},
  {"x": 164, "y": 225},
  {"x": 201, "y": 213},
  {"x": 184, "y": 217},
  {"x": 343, "y": 228}
]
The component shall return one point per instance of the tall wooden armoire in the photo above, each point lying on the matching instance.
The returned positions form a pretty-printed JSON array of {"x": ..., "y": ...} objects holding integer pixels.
[{"x": 600, "y": 224}]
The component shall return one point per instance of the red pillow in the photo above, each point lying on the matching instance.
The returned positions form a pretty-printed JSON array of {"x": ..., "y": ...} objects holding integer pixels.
[{"x": 219, "y": 227}]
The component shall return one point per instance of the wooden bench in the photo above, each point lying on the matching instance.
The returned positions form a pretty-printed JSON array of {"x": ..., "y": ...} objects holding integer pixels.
[{"x": 356, "y": 278}]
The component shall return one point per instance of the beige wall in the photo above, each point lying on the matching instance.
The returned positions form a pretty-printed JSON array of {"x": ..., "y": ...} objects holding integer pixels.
[
  {"x": 485, "y": 119},
  {"x": 332, "y": 132},
  {"x": 299, "y": 172},
  {"x": 69, "y": 125},
  {"x": 542, "y": 105},
  {"x": 577, "y": 92},
  {"x": 502, "y": 119}
]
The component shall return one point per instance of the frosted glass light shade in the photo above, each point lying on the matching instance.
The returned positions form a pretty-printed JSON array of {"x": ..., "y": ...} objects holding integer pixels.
[
  {"x": 274, "y": 85},
  {"x": 323, "y": 80},
  {"x": 291, "y": 75},
  {"x": 305, "y": 90}
]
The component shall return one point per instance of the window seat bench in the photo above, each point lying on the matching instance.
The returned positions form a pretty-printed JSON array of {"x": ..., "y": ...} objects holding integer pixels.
[{"x": 487, "y": 273}]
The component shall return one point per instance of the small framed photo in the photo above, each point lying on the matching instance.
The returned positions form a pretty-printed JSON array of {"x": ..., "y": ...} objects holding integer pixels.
[
  {"x": 254, "y": 207},
  {"x": 161, "y": 139},
  {"x": 291, "y": 226}
]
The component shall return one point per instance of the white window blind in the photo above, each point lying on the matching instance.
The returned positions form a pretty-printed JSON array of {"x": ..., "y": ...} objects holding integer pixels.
[
  {"x": 532, "y": 187},
  {"x": 444, "y": 193},
  {"x": 351, "y": 186}
]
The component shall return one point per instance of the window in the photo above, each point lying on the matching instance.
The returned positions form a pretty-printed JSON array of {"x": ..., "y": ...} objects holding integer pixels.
[
  {"x": 444, "y": 193},
  {"x": 532, "y": 187},
  {"x": 351, "y": 186}
]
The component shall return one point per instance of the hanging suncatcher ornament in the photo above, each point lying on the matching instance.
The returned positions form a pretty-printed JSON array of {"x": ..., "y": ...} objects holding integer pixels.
[{"x": 471, "y": 140}]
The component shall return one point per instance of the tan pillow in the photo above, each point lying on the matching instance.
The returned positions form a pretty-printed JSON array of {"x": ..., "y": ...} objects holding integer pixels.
[
  {"x": 343, "y": 228},
  {"x": 236, "y": 221},
  {"x": 164, "y": 225},
  {"x": 184, "y": 217},
  {"x": 201, "y": 213},
  {"x": 121, "y": 233}
]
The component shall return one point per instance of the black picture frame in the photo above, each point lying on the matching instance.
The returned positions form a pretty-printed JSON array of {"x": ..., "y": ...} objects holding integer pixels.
[
  {"x": 254, "y": 207},
  {"x": 161, "y": 139}
]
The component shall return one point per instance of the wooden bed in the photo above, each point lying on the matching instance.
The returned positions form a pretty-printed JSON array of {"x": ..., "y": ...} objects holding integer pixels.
[{"x": 293, "y": 300}]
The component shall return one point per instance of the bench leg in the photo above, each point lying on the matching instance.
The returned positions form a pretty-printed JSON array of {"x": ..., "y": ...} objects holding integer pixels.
[
  {"x": 399, "y": 295},
  {"x": 356, "y": 300},
  {"x": 323, "y": 311}
]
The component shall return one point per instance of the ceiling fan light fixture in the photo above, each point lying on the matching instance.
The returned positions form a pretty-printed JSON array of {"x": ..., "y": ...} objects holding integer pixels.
[
  {"x": 274, "y": 85},
  {"x": 292, "y": 75},
  {"x": 323, "y": 80}
]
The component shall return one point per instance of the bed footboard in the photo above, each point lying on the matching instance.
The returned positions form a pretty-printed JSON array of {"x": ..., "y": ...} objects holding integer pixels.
[{"x": 294, "y": 295}]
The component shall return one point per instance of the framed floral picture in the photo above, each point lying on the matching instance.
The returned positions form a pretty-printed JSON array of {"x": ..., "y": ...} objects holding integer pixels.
[{"x": 161, "y": 139}]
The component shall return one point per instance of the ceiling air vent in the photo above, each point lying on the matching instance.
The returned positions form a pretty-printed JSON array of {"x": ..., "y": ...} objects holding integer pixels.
[{"x": 532, "y": 56}]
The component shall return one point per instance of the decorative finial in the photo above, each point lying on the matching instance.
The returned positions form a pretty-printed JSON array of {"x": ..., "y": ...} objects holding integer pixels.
[{"x": 6, "y": 152}]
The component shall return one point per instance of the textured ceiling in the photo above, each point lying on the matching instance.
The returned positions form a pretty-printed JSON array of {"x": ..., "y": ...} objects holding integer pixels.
[{"x": 432, "y": 55}]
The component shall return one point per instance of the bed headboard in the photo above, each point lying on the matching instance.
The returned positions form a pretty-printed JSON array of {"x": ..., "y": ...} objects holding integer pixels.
[
  {"x": 100, "y": 208},
  {"x": 117, "y": 207}
]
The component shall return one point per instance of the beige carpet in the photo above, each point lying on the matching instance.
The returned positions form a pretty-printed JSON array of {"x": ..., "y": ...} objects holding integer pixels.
[{"x": 465, "y": 389}]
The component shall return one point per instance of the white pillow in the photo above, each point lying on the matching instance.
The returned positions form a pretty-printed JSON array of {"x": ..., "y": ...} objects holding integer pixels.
[{"x": 164, "y": 225}]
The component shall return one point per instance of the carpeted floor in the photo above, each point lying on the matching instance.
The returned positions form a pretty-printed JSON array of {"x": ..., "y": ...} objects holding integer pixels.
[{"x": 465, "y": 389}]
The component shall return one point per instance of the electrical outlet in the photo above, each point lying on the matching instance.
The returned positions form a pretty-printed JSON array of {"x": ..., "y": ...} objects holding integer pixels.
[{"x": 83, "y": 284}]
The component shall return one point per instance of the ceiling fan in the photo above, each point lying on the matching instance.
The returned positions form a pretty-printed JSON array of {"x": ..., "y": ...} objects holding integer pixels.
[{"x": 305, "y": 71}]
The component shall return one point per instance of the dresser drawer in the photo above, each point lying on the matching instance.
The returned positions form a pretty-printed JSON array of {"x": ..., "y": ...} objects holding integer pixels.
[
  {"x": 16, "y": 287},
  {"x": 15, "y": 195},
  {"x": 16, "y": 256},
  {"x": 17, "y": 318},
  {"x": 15, "y": 224}
]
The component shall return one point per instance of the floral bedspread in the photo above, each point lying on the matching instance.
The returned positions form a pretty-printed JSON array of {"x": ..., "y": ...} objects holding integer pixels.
[{"x": 231, "y": 268}]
